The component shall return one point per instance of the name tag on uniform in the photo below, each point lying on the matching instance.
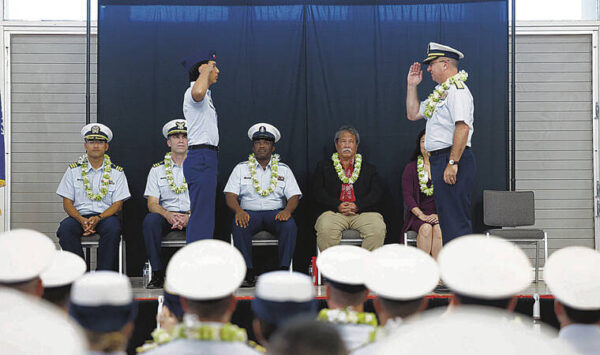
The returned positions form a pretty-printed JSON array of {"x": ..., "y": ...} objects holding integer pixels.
[
  {"x": 110, "y": 182},
  {"x": 163, "y": 178},
  {"x": 280, "y": 178},
  {"x": 247, "y": 177}
]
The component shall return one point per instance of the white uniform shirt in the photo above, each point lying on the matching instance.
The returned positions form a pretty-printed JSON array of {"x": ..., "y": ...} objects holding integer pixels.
[
  {"x": 190, "y": 346},
  {"x": 157, "y": 186},
  {"x": 390, "y": 327},
  {"x": 240, "y": 183},
  {"x": 355, "y": 335},
  {"x": 583, "y": 338},
  {"x": 201, "y": 119},
  {"x": 71, "y": 187},
  {"x": 456, "y": 107}
]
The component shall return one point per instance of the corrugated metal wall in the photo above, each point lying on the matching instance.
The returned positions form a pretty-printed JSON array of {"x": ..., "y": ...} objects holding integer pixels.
[{"x": 47, "y": 113}]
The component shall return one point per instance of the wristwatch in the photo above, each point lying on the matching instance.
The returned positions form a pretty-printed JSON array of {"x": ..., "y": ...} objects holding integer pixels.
[{"x": 452, "y": 162}]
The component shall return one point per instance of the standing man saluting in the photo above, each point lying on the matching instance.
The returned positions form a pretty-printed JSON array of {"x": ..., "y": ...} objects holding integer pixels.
[
  {"x": 449, "y": 114},
  {"x": 200, "y": 166}
]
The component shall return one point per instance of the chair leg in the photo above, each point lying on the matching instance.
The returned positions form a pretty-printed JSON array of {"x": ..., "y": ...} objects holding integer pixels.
[
  {"x": 121, "y": 256},
  {"x": 318, "y": 271},
  {"x": 405, "y": 239},
  {"x": 291, "y": 265},
  {"x": 124, "y": 258},
  {"x": 537, "y": 260},
  {"x": 231, "y": 241},
  {"x": 545, "y": 247}
]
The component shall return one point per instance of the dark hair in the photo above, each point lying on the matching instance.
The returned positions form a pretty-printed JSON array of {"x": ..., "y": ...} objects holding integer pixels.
[
  {"x": 209, "y": 309},
  {"x": 267, "y": 329},
  {"x": 401, "y": 309},
  {"x": 57, "y": 295},
  {"x": 581, "y": 316},
  {"x": 417, "y": 151},
  {"x": 501, "y": 303},
  {"x": 306, "y": 336},
  {"x": 194, "y": 70}
]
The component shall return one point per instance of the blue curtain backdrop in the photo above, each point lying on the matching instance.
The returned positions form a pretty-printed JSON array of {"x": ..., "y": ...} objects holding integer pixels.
[{"x": 307, "y": 67}]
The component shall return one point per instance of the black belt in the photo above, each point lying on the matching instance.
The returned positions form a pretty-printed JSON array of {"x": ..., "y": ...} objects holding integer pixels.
[
  {"x": 203, "y": 146},
  {"x": 443, "y": 151}
]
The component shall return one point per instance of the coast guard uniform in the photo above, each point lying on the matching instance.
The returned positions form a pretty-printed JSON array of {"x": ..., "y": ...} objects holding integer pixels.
[
  {"x": 263, "y": 209},
  {"x": 156, "y": 226},
  {"x": 72, "y": 187},
  {"x": 453, "y": 202},
  {"x": 200, "y": 166},
  {"x": 206, "y": 270}
]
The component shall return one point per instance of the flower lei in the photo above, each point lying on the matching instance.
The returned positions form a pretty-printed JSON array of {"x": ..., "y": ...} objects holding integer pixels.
[
  {"x": 340, "y": 170},
  {"x": 191, "y": 328},
  {"x": 274, "y": 167},
  {"x": 440, "y": 90},
  {"x": 86, "y": 180},
  {"x": 382, "y": 332},
  {"x": 169, "y": 170},
  {"x": 347, "y": 316},
  {"x": 428, "y": 191}
]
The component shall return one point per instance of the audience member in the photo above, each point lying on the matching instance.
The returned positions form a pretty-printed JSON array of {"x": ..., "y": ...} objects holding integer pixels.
[
  {"x": 24, "y": 255},
  {"x": 57, "y": 280},
  {"x": 306, "y": 336}
]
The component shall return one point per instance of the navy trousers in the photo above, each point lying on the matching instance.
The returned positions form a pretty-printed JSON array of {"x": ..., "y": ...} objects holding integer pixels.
[
  {"x": 70, "y": 233},
  {"x": 154, "y": 228},
  {"x": 453, "y": 202},
  {"x": 285, "y": 231},
  {"x": 200, "y": 171}
]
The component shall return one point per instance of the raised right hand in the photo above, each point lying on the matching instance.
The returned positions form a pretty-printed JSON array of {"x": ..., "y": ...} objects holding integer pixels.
[
  {"x": 242, "y": 218},
  {"x": 206, "y": 67},
  {"x": 415, "y": 74}
]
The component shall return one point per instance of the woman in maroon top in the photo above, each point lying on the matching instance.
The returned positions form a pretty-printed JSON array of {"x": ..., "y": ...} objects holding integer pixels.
[{"x": 420, "y": 214}]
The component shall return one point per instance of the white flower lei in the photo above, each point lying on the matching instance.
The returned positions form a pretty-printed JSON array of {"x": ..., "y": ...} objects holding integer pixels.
[
  {"x": 83, "y": 160},
  {"x": 428, "y": 191},
  {"x": 274, "y": 167},
  {"x": 340, "y": 170},
  {"x": 347, "y": 316},
  {"x": 192, "y": 328},
  {"x": 169, "y": 170},
  {"x": 440, "y": 90}
]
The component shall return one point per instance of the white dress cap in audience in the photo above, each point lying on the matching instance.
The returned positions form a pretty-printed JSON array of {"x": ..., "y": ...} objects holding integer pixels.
[
  {"x": 174, "y": 127},
  {"x": 400, "y": 272},
  {"x": 281, "y": 295},
  {"x": 264, "y": 131},
  {"x": 573, "y": 276},
  {"x": 24, "y": 255},
  {"x": 346, "y": 264},
  {"x": 30, "y": 326},
  {"x": 484, "y": 267},
  {"x": 470, "y": 331},
  {"x": 64, "y": 270},
  {"x": 96, "y": 131},
  {"x": 205, "y": 270},
  {"x": 102, "y": 301}
]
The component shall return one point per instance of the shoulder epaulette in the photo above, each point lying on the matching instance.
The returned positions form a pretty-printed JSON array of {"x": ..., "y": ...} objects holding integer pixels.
[
  {"x": 116, "y": 167},
  {"x": 459, "y": 84},
  {"x": 158, "y": 164},
  {"x": 284, "y": 164},
  {"x": 74, "y": 165}
]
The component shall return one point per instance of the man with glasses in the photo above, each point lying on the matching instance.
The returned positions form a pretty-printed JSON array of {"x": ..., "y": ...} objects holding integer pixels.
[
  {"x": 449, "y": 114},
  {"x": 93, "y": 191}
]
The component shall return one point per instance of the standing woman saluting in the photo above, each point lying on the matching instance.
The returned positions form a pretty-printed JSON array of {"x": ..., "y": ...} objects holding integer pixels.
[{"x": 200, "y": 166}]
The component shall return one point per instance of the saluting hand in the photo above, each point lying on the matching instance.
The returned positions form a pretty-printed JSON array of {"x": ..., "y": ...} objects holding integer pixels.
[
  {"x": 206, "y": 67},
  {"x": 415, "y": 74}
]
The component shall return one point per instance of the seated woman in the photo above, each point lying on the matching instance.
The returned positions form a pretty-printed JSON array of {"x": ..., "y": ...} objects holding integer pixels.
[{"x": 420, "y": 214}]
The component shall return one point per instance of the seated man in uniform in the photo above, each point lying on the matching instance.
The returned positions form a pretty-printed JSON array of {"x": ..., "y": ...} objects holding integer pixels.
[
  {"x": 205, "y": 275},
  {"x": 168, "y": 197},
  {"x": 349, "y": 191},
  {"x": 345, "y": 268},
  {"x": 93, "y": 192},
  {"x": 268, "y": 194}
]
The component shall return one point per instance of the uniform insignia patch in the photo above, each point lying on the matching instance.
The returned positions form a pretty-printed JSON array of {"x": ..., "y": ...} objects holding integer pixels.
[{"x": 280, "y": 178}]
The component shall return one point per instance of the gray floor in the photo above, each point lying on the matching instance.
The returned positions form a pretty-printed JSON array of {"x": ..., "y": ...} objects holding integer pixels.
[{"x": 141, "y": 293}]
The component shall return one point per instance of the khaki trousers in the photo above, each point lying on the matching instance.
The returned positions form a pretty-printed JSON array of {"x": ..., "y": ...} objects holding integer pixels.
[{"x": 330, "y": 225}]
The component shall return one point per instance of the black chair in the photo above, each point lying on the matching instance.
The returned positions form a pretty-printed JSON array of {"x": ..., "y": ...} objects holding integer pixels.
[
  {"x": 90, "y": 245},
  {"x": 510, "y": 209}
]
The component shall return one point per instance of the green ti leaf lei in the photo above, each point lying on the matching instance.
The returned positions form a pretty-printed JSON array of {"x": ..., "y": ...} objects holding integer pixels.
[
  {"x": 340, "y": 170},
  {"x": 86, "y": 180},
  {"x": 169, "y": 170},
  {"x": 274, "y": 168},
  {"x": 423, "y": 178},
  {"x": 347, "y": 316},
  {"x": 440, "y": 90},
  {"x": 191, "y": 328}
]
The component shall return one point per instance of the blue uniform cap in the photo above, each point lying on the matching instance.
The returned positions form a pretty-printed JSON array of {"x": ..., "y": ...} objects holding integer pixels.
[{"x": 189, "y": 61}]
